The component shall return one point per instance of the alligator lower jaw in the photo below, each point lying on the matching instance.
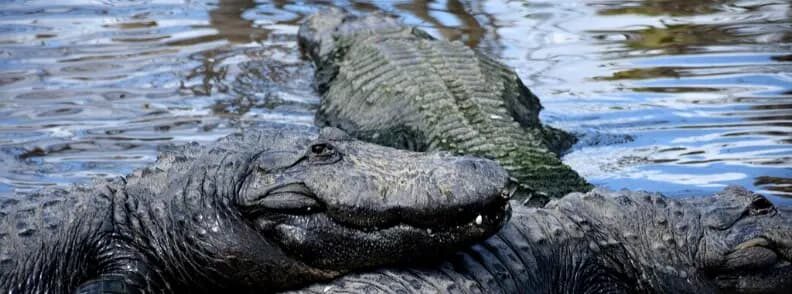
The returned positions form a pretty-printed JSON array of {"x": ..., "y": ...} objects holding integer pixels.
[
  {"x": 775, "y": 277},
  {"x": 485, "y": 223},
  {"x": 767, "y": 266},
  {"x": 492, "y": 216},
  {"x": 319, "y": 242}
]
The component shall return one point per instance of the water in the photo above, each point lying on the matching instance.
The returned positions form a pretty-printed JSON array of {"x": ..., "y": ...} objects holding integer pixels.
[{"x": 678, "y": 96}]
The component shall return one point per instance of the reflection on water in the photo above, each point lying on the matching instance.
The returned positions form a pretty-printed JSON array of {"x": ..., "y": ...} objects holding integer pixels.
[
  {"x": 664, "y": 7},
  {"x": 230, "y": 24},
  {"x": 680, "y": 39},
  {"x": 471, "y": 31},
  {"x": 668, "y": 95},
  {"x": 699, "y": 87}
]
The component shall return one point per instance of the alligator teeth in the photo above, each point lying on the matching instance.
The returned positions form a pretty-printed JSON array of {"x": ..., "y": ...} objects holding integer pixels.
[
  {"x": 752, "y": 243},
  {"x": 505, "y": 194},
  {"x": 508, "y": 192},
  {"x": 479, "y": 220}
]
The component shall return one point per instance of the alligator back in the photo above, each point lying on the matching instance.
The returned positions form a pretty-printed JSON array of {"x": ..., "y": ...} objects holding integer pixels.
[
  {"x": 51, "y": 233},
  {"x": 399, "y": 87}
]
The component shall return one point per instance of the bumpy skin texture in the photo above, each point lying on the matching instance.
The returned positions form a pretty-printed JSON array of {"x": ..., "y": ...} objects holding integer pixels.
[
  {"x": 613, "y": 242},
  {"x": 264, "y": 210},
  {"x": 394, "y": 85}
]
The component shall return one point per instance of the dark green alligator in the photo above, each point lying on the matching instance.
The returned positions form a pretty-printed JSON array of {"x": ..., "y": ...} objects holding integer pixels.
[
  {"x": 265, "y": 210},
  {"x": 395, "y": 85},
  {"x": 613, "y": 242}
]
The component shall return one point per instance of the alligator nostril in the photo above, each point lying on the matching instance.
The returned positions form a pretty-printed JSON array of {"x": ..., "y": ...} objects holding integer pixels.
[{"x": 475, "y": 165}]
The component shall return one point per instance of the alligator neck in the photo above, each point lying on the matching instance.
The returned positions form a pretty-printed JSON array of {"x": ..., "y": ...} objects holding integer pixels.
[
  {"x": 541, "y": 249},
  {"x": 129, "y": 255},
  {"x": 58, "y": 238},
  {"x": 150, "y": 251},
  {"x": 658, "y": 236}
]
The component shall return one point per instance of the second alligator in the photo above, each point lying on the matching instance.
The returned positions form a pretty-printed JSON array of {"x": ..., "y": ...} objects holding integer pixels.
[{"x": 392, "y": 84}]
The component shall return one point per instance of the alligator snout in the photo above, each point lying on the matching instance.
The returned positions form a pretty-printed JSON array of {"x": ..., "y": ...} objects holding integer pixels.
[{"x": 429, "y": 191}]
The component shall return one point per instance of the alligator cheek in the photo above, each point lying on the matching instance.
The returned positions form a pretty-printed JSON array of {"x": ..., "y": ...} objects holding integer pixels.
[{"x": 751, "y": 258}]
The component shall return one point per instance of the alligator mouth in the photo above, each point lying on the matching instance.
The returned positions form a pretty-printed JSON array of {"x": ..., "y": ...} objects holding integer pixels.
[
  {"x": 326, "y": 244},
  {"x": 333, "y": 238},
  {"x": 297, "y": 200},
  {"x": 759, "y": 254},
  {"x": 482, "y": 224},
  {"x": 492, "y": 215},
  {"x": 492, "y": 211},
  {"x": 471, "y": 226},
  {"x": 764, "y": 245},
  {"x": 756, "y": 265}
]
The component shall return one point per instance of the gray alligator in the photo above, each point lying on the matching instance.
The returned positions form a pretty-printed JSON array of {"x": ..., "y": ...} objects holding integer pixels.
[
  {"x": 264, "y": 210},
  {"x": 613, "y": 242},
  {"x": 395, "y": 85}
]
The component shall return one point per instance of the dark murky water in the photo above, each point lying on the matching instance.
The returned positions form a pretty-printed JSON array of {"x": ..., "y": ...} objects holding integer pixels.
[{"x": 678, "y": 96}]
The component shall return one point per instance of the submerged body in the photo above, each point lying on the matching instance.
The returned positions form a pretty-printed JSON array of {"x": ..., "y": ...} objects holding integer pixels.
[
  {"x": 613, "y": 242},
  {"x": 261, "y": 211},
  {"x": 395, "y": 85}
]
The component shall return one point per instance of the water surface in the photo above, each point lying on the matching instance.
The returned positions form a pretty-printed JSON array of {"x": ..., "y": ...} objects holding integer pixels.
[{"x": 681, "y": 97}]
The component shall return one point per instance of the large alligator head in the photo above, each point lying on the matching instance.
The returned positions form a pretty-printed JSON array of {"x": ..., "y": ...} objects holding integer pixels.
[
  {"x": 746, "y": 245},
  {"x": 277, "y": 209},
  {"x": 735, "y": 241},
  {"x": 341, "y": 204}
]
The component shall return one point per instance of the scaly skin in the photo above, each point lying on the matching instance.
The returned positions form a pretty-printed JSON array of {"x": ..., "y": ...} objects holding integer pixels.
[
  {"x": 612, "y": 242},
  {"x": 394, "y": 85},
  {"x": 261, "y": 211}
]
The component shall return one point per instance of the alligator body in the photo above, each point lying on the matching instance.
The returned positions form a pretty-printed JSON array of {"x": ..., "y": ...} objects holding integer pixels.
[
  {"x": 395, "y": 85},
  {"x": 613, "y": 242},
  {"x": 264, "y": 210}
]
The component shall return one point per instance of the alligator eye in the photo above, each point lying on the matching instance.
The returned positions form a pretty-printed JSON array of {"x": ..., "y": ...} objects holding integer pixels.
[
  {"x": 321, "y": 149},
  {"x": 761, "y": 205},
  {"x": 322, "y": 152}
]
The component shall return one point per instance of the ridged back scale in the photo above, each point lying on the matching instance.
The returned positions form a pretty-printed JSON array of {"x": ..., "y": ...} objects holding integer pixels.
[{"x": 400, "y": 87}]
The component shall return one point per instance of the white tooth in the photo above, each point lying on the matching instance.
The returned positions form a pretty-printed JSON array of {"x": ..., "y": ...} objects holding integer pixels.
[{"x": 479, "y": 219}]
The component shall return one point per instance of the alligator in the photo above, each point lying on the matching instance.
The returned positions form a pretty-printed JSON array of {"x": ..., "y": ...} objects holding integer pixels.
[
  {"x": 264, "y": 210},
  {"x": 395, "y": 85},
  {"x": 612, "y": 242}
]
